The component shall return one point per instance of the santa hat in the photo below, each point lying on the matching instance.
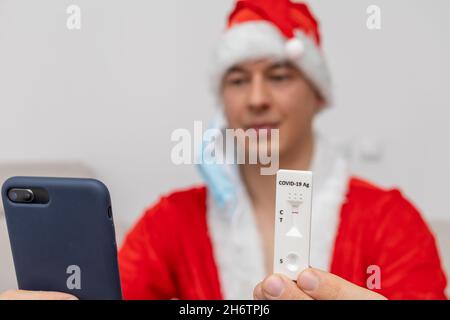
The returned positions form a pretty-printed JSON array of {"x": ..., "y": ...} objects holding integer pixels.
[{"x": 278, "y": 29}]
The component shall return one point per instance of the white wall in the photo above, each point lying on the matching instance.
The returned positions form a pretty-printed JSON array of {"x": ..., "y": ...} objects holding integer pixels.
[
  {"x": 110, "y": 94},
  {"x": 393, "y": 86}
]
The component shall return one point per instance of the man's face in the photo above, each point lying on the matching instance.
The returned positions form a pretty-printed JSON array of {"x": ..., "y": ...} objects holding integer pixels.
[{"x": 271, "y": 95}]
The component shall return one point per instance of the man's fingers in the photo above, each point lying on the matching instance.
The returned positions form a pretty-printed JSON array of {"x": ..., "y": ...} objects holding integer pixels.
[
  {"x": 278, "y": 287},
  {"x": 322, "y": 285},
  {"x": 35, "y": 295},
  {"x": 257, "y": 292}
]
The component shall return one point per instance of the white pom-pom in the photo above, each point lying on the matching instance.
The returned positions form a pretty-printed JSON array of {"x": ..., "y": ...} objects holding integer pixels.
[{"x": 295, "y": 48}]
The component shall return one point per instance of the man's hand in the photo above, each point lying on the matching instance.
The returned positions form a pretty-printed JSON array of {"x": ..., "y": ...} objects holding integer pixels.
[
  {"x": 312, "y": 284},
  {"x": 35, "y": 295}
]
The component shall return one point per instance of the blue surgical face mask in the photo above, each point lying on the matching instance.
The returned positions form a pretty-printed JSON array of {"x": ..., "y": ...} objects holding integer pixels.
[{"x": 219, "y": 178}]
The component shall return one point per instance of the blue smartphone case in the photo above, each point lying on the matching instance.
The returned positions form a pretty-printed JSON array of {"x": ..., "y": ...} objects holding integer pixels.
[{"x": 68, "y": 244}]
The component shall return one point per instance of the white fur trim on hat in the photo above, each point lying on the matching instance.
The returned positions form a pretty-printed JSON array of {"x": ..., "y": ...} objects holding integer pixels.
[{"x": 261, "y": 39}]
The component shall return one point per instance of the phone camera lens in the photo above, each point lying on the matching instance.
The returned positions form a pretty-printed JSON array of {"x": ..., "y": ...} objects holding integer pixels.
[
  {"x": 13, "y": 195},
  {"x": 21, "y": 195},
  {"x": 27, "y": 196}
]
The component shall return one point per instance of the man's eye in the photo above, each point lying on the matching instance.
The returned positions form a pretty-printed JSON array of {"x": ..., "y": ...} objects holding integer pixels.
[
  {"x": 280, "y": 77},
  {"x": 237, "y": 81}
]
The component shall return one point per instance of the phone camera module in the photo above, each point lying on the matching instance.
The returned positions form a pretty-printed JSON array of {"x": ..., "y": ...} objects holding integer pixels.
[{"x": 21, "y": 195}]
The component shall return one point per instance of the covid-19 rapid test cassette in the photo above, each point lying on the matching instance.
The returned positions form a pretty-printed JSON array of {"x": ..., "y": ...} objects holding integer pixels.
[{"x": 292, "y": 222}]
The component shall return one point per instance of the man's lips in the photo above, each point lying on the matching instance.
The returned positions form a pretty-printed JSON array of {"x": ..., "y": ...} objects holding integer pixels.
[{"x": 266, "y": 125}]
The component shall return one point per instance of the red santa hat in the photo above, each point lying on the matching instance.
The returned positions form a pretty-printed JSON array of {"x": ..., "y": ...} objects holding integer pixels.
[{"x": 278, "y": 29}]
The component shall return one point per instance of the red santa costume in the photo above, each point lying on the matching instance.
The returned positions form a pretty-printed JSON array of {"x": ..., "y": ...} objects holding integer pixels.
[{"x": 187, "y": 247}]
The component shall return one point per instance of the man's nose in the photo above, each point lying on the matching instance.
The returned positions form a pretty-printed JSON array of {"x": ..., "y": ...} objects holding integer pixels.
[{"x": 259, "y": 99}]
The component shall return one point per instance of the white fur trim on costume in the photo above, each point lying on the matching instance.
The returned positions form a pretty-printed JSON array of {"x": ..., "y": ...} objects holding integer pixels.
[
  {"x": 331, "y": 183},
  {"x": 261, "y": 39},
  {"x": 237, "y": 247},
  {"x": 237, "y": 244}
]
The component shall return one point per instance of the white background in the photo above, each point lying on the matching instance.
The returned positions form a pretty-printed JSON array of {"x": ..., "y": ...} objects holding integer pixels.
[{"x": 110, "y": 94}]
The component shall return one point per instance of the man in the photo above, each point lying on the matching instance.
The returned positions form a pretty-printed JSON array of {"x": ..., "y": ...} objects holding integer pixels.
[
  {"x": 271, "y": 74},
  {"x": 192, "y": 244}
]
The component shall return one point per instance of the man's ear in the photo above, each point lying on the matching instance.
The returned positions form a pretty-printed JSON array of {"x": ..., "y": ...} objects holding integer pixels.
[{"x": 320, "y": 103}]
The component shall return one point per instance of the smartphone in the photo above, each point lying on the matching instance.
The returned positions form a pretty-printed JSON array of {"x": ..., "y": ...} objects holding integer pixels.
[{"x": 62, "y": 236}]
